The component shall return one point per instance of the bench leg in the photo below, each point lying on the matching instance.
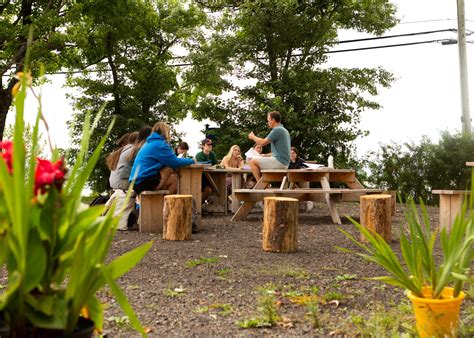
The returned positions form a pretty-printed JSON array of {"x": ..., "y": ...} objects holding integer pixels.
[
  {"x": 449, "y": 207},
  {"x": 245, "y": 208},
  {"x": 151, "y": 213}
]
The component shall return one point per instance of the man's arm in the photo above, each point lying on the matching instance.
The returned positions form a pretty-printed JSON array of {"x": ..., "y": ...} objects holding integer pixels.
[{"x": 258, "y": 140}]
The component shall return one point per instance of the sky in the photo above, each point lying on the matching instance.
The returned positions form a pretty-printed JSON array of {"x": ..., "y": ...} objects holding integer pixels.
[{"x": 423, "y": 100}]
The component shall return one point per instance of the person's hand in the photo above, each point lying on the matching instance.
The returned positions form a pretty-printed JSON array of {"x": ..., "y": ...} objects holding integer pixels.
[{"x": 251, "y": 135}]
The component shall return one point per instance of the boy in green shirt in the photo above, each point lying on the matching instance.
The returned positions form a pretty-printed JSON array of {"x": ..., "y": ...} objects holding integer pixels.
[{"x": 206, "y": 156}]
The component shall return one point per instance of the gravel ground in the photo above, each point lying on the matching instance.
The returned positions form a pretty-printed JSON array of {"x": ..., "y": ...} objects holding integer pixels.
[{"x": 207, "y": 285}]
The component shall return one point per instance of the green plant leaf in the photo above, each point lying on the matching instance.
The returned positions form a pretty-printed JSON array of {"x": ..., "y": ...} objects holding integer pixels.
[
  {"x": 123, "y": 302},
  {"x": 121, "y": 265},
  {"x": 35, "y": 261}
]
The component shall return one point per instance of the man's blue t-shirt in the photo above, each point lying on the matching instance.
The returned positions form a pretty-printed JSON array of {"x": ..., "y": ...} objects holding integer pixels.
[{"x": 281, "y": 143}]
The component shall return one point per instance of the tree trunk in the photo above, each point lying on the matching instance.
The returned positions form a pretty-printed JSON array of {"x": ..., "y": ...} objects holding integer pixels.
[
  {"x": 280, "y": 220},
  {"x": 177, "y": 224},
  {"x": 5, "y": 103},
  {"x": 376, "y": 215}
]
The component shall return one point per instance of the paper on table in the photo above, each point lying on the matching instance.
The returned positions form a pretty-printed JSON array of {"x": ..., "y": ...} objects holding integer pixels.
[
  {"x": 251, "y": 153},
  {"x": 313, "y": 165}
]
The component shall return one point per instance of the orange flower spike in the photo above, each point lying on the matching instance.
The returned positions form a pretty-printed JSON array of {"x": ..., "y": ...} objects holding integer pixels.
[
  {"x": 85, "y": 312},
  {"x": 19, "y": 76}
]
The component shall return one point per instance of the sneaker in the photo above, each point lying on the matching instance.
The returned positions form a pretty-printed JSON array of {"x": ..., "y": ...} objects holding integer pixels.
[
  {"x": 209, "y": 200},
  {"x": 309, "y": 206},
  {"x": 260, "y": 204}
]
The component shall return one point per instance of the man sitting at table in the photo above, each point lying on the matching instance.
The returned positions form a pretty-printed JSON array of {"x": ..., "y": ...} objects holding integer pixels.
[
  {"x": 280, "y": 141},
  {"x": 206, "y": 156}
]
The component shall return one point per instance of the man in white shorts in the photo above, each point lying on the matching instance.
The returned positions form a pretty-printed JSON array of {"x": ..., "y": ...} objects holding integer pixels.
[{"x": 280, "y": 141}]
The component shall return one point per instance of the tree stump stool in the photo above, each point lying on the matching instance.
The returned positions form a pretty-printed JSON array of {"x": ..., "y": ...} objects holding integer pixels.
[
  {"x": 376, "y": 215},
  {"x": 280, "y": 220},
  {"x": 177, "y": 225}
]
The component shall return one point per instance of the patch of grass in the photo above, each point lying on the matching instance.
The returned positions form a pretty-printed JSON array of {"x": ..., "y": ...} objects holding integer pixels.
[
  {"x": 223, "y": 272},
  {"x": 253, "y": 323},
  {"x": 203, "y": 260},
  {"x": 176, "y": 292},
  {"x": 297, "y": 273},
  {"x": 333, "y": 295},
  {"x": 345, "y": 277},
  {"x": 267, "y": 288}
]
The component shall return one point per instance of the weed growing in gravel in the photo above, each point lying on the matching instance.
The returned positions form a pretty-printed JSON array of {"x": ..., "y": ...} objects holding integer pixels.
[
  {"x": 176, "y": 292},
  {"x": 120, "y": 321},
  {"x": 267, "y": 308},
  {"x": 203, "y": 260},
  {"x": 221, "y": 309},
  {"x": 386, "y": 322},
  {"x": 222, "y": 273},
  {"x": 313, "y": 314},
  {"x": 345, "y": 277}
]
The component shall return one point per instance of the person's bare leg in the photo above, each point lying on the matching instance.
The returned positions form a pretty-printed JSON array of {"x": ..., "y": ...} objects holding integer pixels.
[
  {"x": 205, "y": 194},
  {"x": 165, "y": 174},
  {"x": 172, "y": 184},
  {"x": 255, "y": 169}
]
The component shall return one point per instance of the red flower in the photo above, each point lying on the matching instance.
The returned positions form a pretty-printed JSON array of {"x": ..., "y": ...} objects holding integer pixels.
[
  {"x": 47, "y": 174},
  {"x": 6, "y": 152}
]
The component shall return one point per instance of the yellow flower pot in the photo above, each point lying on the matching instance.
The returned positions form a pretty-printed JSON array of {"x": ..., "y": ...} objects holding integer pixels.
[{"x": 437, "y": 317}]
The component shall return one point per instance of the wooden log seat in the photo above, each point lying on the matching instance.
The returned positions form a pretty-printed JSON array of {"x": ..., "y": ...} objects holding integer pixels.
[
  {"x": 376, "y": 215},
  {"x": 151, "y": 211},
  {"x": 177, "y": 217},
  {"x": 280, "y": 221}
]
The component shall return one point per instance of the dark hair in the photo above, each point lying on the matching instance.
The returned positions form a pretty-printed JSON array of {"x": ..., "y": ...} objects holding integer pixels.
[
  {"x": 294, "y": 149},
  {"x": 206, "y": 141},
  {"x": 143, "y": 133},
  {"x": 112, "y": 159},
  {"x": 275, "y": 115},
  {"x": 183, "y": 145}
]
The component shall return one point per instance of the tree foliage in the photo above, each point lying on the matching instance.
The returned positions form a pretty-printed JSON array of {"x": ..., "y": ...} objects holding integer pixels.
[
  {"x": 131, "y": 47},
  {"x": 416, "y": 169},
  {"x": 279, "y": 49}
]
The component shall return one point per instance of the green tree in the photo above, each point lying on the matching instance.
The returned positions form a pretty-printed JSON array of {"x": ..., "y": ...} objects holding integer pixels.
[
  {"x": 279, "y": 48},
  {"x": 134, "y": 43},
  {"x": 416, "y": 169}
]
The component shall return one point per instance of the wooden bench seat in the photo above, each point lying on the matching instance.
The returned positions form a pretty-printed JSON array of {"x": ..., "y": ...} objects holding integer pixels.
[
  {"x": 151, "y": 211},
  {"x": 343, "y": 195},
  {"x": 450, "y": 204}
]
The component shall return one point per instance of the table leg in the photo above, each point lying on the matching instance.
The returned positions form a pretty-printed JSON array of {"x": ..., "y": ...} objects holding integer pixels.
[
  {"x": 236, "y": 184},
  {"x": 245, "y": 208},
  {"x": 331, "y": 204},
  {"x": 190, "y": 181}
]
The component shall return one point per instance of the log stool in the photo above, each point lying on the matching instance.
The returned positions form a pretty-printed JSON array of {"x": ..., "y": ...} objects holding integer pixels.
[
  {"x": 376, "y": 215},
  {"x": 151, "y": 211},
  {"x": 177, "y": 217},
  {"x": 280, "y": 219}
]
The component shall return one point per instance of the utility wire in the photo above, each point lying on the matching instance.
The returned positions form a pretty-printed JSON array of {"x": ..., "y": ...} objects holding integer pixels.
[{"x": 453, "y": 30}]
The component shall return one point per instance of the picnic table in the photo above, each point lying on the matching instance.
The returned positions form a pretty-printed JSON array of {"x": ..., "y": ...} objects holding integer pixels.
[
  {"x": 190, "y": 183},
  {"x": 217, "y": 178},
  {"x": 288, "y": 180}
]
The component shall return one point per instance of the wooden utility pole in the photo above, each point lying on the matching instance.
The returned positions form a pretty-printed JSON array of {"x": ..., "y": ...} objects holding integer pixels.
[{"x": 466, "y": 115}]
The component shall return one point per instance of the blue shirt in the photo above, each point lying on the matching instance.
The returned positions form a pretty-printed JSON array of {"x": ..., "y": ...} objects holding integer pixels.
[
  {"x": 281, "y": 143},
  {"x": 155, "y": 154}
]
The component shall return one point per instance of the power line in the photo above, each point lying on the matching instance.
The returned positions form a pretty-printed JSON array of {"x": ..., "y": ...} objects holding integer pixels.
[
  {"x": 385, "y": 46},
  {"x": 431, "y": 20},
  {"x": 453, "y": 30}
]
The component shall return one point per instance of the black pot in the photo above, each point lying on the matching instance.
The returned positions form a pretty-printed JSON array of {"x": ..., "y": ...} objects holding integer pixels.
[{"x": 84, "y": 329}]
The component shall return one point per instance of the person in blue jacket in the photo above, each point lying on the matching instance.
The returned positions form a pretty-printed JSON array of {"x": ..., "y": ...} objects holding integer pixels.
[{"x": 153, "y": 168}]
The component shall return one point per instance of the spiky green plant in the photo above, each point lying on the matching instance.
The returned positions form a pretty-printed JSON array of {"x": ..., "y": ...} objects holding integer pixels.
[{"x": 418, "y": 267}]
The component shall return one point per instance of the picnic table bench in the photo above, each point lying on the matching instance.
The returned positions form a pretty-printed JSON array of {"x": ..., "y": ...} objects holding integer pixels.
[{"x": 290, "y": 178}]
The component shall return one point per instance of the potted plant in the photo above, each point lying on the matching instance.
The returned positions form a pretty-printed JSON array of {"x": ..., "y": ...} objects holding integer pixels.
[
  {"x": 433, "y": 285},
  {"x": 51, "y": 245}
]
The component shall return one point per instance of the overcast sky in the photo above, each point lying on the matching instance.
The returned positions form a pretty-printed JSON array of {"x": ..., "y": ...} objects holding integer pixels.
[{"x": 424, "y": 99}]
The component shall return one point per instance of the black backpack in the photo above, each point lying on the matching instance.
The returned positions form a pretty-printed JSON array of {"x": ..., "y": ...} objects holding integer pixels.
[{"x": 101, "y": 199}]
